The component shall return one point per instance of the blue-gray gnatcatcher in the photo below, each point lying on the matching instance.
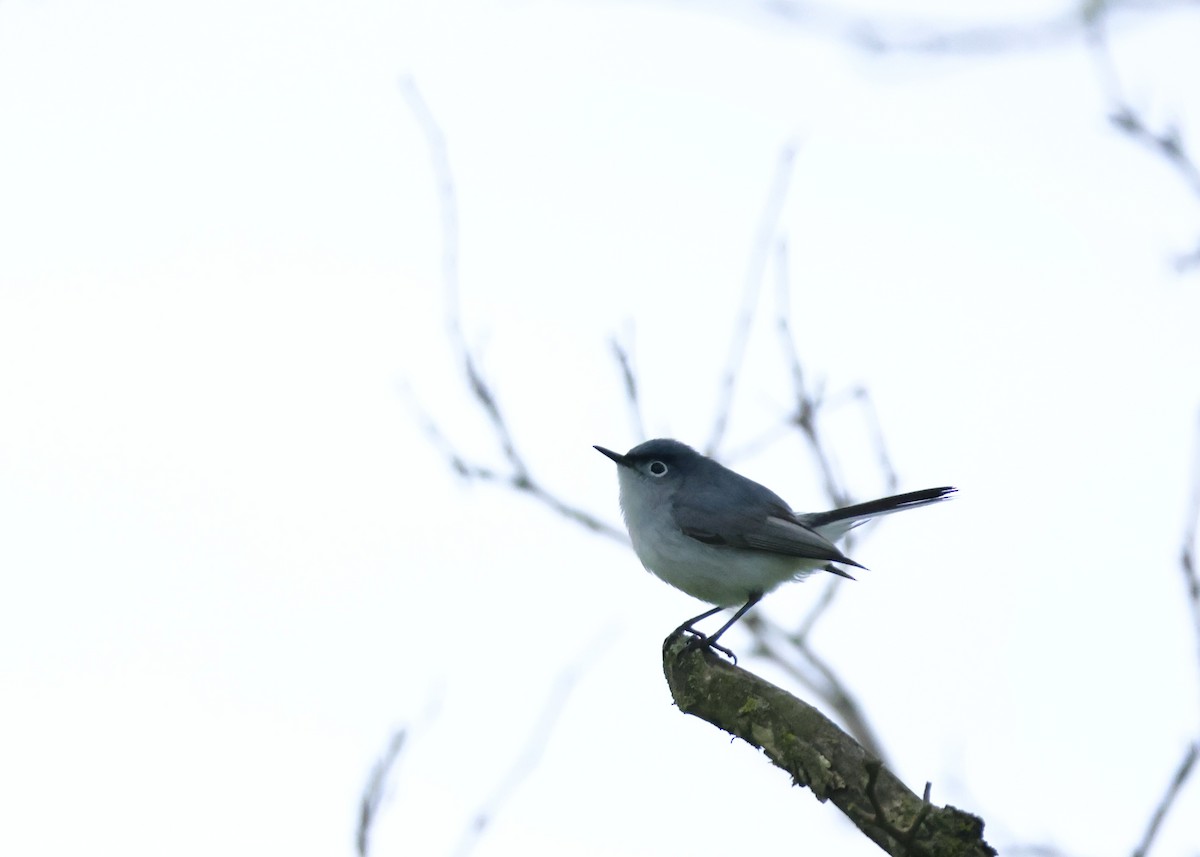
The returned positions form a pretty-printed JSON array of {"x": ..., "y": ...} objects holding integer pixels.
[{"x": 725, "y": 539}]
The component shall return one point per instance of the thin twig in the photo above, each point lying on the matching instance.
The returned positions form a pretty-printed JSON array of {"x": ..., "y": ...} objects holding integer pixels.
[
  {"x": 448, "y": 205},
  {"x": 375, "y": 788},
  {"x": 443, "y": 176},
  {"x": 759, "y": 259},
  {"x": 1187, "y": 554},
  {"x": 519, "y": 480},
  {"x": 1033, "y": 35},
  {"x": 1187, "y": 565},
  {"x": 1166, "y": 143},
  {"x": 519, "y": 475},
  {"x": 911, "y": 35},
  {"x": 1164, "y": 805},
  {"x": 535, "y": 744},
  {"x": 891, "y": 479},
  {"x": 629, "y": 380},
  {"x": 805, "y": 403},
  {"x": 373, "y": 791},
  {"x": 832, "y": 586}
]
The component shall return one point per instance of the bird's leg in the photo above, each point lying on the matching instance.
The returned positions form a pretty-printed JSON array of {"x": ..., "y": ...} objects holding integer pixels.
[
  {"x": 699, "y": 638},
  {"x": 686, "y": 627},
  {"x": 710, "y": 642},
  {"x": 702, "y": 641}
]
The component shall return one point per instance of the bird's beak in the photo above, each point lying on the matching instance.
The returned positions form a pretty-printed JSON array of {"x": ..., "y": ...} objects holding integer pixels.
[{"x": 622, "y": 460}]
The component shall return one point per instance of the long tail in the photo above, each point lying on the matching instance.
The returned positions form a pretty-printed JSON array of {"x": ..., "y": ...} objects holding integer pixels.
[{"x": 834, "y": 523}]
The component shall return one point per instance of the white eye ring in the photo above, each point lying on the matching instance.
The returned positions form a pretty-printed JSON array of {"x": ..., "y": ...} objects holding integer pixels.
[{"x": 656, "y": 468}]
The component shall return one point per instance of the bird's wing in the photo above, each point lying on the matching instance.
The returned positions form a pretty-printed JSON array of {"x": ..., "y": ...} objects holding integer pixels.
[{"x": 756, "y": 523}]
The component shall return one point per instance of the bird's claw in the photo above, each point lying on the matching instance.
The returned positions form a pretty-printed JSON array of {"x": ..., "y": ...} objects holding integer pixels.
[{"x": 700, "y": 641}]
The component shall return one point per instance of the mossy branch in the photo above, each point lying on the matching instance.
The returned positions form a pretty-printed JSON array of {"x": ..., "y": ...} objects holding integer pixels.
[{"x": 818, "y": 755}]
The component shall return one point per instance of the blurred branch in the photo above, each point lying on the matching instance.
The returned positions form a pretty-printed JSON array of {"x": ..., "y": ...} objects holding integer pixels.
[
  {"x": 1187, "y": 565},
  {"x": 915, "y": 36},
  {"x": 818, "y": 755},
  {"x": 373, "y": 791},
  {"x": 1088, "y": 20},
  {"x": 517, "y": 475},
  {"x": 443, "y": 176},
  {"x": 375, "y": 788},
  {"x": 759, "y": 260},
  {"x": 1187, "y": 555},
  {"x": 535, "y": 745},
  {"x": 1166, "y": 143},
  {"x": 1168, "y": 799},
  {"x": 912, "y": 35},
  {"x": 795, "y": 656},
  {"x": 629, "y": 378},
  {"x": 807, "y": 404}
]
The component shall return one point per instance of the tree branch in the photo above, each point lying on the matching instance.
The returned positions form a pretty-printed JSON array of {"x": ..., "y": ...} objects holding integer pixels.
[
  {"x": 373, "y": 791},
  {"x": 535, "y": 746},
  {"x": 1164, "y": 805},
  {"x": 818, "y": 755},
  {"x": 629, "y": 378},
  {"x": 1187, "y": 553},
  {"x": 759, "y": 260}
]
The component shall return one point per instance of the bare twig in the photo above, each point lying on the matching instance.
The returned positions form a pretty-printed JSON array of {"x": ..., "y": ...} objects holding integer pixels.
[
  {"x": 1187, "y": 565},
  {"x": 629, "y": 379},
  {"x": 831, "y": 588},
  {"x": 1065, "y": 27},
  {"x": 519, "y": 479},
  {"x": 891, "y": 479},
  {"x": 911, "y": 35},
  {"x": 373, "y": 791},
  {"x": 375, "y": 788},
  {"x": 448, "y": 205},
  {"x": 1187, "y": 554},
  {"x": 535, "y": 745},
  {"x": 1164, "y": 805},
  {"x": 1087, "y": 21},
  {"x": 759, "y": 259},
  {"x": 1167, "y": 143},
  {"x": 443, "y": 175},
  {"x": 806, "y": 408},
  {"x": 518, "y": 474},
  {"x": 805, "y": 402}
]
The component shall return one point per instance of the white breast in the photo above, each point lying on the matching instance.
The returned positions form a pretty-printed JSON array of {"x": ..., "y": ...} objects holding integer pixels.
[{"x": 719, "y": 575}]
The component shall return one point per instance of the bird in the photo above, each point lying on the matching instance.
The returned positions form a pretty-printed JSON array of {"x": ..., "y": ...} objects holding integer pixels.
[{"x": 725, "y": 539}]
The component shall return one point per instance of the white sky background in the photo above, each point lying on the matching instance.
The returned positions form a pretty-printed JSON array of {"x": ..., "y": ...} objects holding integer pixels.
[{"x": 232, "y": 563}]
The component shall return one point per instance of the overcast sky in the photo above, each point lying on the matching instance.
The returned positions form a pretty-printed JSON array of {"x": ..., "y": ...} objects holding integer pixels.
[{"x": 232, "y": 562}]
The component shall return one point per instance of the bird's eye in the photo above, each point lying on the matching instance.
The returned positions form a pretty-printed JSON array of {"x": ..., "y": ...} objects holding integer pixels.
[{"x": 657, "y": 468}]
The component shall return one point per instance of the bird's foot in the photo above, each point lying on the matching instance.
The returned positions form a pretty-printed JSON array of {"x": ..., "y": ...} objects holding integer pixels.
[{"x": 701, "y": 641}]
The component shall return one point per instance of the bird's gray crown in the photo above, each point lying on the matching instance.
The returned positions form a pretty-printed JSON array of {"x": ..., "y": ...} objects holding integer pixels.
[{"x": 662, "y": 447}]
